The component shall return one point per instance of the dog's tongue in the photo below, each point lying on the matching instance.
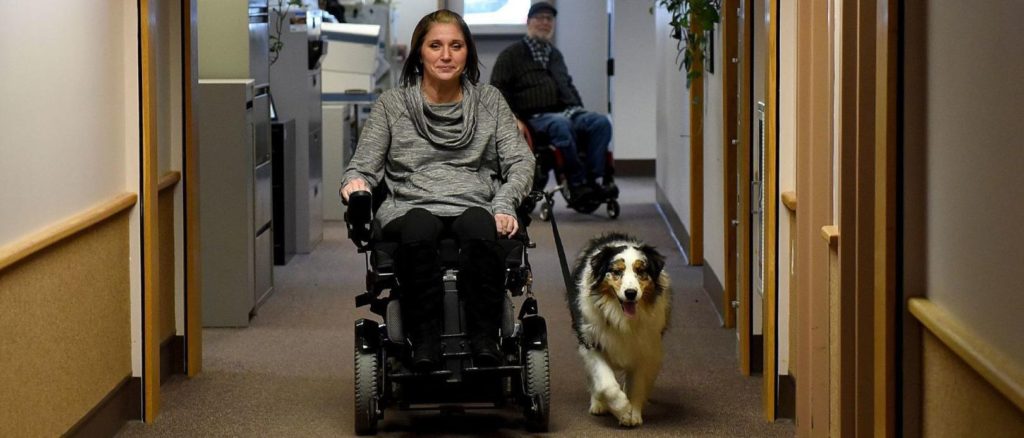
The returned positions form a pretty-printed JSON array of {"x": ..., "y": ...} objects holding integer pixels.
[{"x": 629, "y": 307}]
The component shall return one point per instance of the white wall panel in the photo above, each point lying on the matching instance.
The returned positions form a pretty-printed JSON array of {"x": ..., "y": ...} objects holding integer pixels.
[{"x": 67, "y": 91}]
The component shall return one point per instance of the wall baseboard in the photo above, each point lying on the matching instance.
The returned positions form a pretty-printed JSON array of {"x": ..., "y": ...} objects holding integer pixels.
[
  {"x": 634, "y": 167},
  {"x": 673, "y": 220},
  {"x": 172, "y": 357},
  {"x": 756, "y": 354},
  {"x": 786, "y": 407},
  {"x": 713, "y": 286},
  {"x": 121, "y": 405}
]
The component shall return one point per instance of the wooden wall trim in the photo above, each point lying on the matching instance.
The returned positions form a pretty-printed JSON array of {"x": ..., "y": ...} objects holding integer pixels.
[
  {"x": 193, "y": 295},
  {"x": 831, "y": 235},
  {"x": 147, "y": 18},
  {"x": 770, "y": 256},
  {"x": 789, "y": 200},
  {"x": 814, "y": 185},
  {"x": 729, "y": 142},
  {"x": 19, "y": 250},
  {"x": 885, "y": 235},
  {"x": 1005, "y": 375},
  {"x": 117, "y": 408},
  {"x": 169, "y": 180}
]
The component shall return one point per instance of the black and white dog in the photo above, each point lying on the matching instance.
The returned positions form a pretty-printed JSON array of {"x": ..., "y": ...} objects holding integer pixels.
[{"x": 620, "y": 310}]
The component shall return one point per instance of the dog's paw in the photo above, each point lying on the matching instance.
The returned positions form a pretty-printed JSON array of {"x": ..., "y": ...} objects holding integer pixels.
[
  {"x": 597, "y": 407},
  {"x": 631, "y": 418}
]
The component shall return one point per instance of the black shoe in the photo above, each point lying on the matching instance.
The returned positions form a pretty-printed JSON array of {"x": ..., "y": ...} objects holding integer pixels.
[
  {"x": 610, "y": 190},
  {"x": 580, "y": 194},
  {"x": 485, "y": 352}
]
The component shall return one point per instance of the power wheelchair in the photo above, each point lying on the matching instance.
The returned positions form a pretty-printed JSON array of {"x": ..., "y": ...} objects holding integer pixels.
[
  {"x": 383, "y": 376},
  {"x": 550, "y": 160}
]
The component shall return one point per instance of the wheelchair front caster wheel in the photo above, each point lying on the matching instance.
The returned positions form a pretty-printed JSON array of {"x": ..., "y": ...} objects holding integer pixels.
[
  {"x": 367, "y": 392},
  {"x": 545, "y": 211},
  {"x": 538, "y": 386},
  {"x": 613, "y": 209}
]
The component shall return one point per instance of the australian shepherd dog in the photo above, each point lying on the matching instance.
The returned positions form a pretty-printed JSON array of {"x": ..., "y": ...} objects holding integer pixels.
[{"x": 620, "y": 310}]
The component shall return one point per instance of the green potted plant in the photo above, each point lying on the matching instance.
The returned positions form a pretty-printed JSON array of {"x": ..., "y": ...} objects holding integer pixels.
[
  {"x": 690, "y": 20},
  {"x": 276, "y": 44}
]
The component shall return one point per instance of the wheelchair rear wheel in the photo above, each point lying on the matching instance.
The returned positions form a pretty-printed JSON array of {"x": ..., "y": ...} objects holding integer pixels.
[{"x": 367, "y": 383}]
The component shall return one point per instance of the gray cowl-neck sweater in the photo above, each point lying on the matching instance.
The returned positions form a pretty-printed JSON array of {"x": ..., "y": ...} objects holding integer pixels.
[{"x": 443, "y": 157}]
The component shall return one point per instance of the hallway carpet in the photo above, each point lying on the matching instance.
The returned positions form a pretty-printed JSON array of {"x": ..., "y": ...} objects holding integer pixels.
[{"x": 290, "y": 373}]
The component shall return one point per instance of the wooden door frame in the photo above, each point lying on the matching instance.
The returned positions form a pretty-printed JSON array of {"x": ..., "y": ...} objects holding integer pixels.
[
  {"x": 730, "y": 142},
  {"x": 769, "y": 258},
  {"x": 744, "y": 131},
  {"x": 147, "y": 13},
  {"x": 886, "y": 307},
  {"x": 867, "y": 219},
  {"x": 193, "y": 291},
  {"x": 814, "y": 173}
]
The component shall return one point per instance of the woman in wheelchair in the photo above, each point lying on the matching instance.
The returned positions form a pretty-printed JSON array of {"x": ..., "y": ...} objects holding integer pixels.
[{"x": 454, "y": 165}]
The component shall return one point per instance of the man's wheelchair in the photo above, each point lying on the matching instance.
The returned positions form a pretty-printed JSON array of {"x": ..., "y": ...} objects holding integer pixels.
[
  {"x": 383, "y": 377},
  {"x": 550, "y": 160}
]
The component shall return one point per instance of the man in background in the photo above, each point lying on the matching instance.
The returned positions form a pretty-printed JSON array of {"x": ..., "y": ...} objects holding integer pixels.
[{"x": 532, "y": 75}]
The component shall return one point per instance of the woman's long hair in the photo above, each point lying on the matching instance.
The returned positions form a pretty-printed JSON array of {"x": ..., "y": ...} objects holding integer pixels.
[{"x": 413, "y": 68}]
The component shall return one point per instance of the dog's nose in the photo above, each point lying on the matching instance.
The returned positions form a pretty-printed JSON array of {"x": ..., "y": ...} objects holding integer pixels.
[{"x": 631, "y": 294}]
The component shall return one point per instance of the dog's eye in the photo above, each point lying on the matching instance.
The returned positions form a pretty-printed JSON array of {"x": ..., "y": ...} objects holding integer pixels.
[{"x": 615, "y": 272}]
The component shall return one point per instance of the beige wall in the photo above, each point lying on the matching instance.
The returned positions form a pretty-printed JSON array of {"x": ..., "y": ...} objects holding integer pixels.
[
  {"x": 962, "y": 245},
  {"x": 714, "y": 166},
  {"x": 958, "y": 402},
  {"x": 168, "y": 288},
  {"x": 223, "y": 50},
  {"x": 66, "y": 330},
  {"x": 633, "y": 86},
  {"x": 71, "y": 121},
  {"x": 65, "y": 97},
  {"x": 672, "y": 122},
  {"x": 786, "y": 169},
  {"x": 973, "y": 180},
  {"x": 170, "y": 140}
]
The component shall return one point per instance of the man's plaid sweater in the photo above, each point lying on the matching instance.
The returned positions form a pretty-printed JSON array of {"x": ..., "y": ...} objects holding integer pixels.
[{"x": 529, "y": 87}]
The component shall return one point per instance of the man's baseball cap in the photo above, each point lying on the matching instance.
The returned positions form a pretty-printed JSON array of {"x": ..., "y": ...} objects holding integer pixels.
[{"x": 542, "y": 7}]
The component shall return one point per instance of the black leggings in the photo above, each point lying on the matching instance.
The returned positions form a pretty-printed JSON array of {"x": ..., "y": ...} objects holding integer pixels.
[
  {"x": 420, "y": 226},
  {"x": 418, "y": 268}
]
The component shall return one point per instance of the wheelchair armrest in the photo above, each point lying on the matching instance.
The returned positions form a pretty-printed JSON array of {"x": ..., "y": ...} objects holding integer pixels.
[{"x": 359, "y": 217}]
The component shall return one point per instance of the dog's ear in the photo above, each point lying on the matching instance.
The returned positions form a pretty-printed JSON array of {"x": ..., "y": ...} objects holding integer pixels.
[
  {"x": 655, "y": 261},
  {"x": 601, "y": 261}
]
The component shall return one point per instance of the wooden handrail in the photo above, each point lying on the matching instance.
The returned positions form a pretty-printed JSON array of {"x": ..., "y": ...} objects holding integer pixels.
[
  {"x": 789, "y": 200},
  {"x": 20, "y": 249},
  {"x": 831, "y": 235},
  {"x": 1002, "y": 373},
  {"x": 168, "y": 180}
]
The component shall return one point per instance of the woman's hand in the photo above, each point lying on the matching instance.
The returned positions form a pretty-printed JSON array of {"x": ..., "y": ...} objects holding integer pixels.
[
  {"x": 507, "y": 224},
  {"x": 354, "y": 185}
]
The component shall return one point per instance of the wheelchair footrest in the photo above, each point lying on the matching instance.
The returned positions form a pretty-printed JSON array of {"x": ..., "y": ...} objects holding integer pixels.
[
  {"x": 504, "y": 370},
  {"x": 407, "y": 375}
]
